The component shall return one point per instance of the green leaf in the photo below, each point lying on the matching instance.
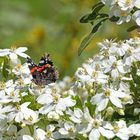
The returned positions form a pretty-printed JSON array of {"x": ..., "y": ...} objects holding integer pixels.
[
  {"x": 132, "y": 28},
  {"x": 114, "y": 19},
  {"x": 102, "y": 138},
  {"x": 80, "y": 137},
  {"x": 116, "y": 138},
  {"x": 88, "y": 38},
  {"x": 103, "y": 15},
  {"x": 138, "y": 138},
  {"x": 90, "y": 17},
  {"x": 78, "y": 102},
  {"x": 5, "y": 72},
  {"x": 30, "y": 98},
  {"x": 90, "y": 106},
  {"x": 97, "y": 7}
]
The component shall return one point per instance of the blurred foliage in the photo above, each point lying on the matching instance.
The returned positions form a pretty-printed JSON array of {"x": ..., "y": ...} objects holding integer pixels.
[{"x": 52, "y": 26}]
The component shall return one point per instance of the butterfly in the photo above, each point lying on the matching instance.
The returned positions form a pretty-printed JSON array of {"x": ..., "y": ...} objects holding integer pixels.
[{"x": 44, "y": 73}]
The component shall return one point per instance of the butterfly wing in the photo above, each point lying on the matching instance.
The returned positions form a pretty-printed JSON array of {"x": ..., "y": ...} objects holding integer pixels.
[
  {"x": 45, "y": 73},
  {"x": 50, "y": 75},
  {"x": 45, "y": 60},
  {"x": 48, "y": 72},
  {"x": 31, "y": 64},
  {"x": 33, "y": 69}
]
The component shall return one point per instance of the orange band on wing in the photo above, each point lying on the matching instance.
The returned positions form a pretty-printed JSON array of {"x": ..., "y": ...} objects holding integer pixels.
[
  {"x": 43, "y": 67},
  {"x": 47, "y": 65},
  {"x": 33, "y": 69}
]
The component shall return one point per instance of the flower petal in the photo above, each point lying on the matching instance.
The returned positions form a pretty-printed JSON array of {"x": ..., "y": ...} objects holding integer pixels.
[
  {"x": 94, "y": 135},
  {"x": 27, "y": 137},
  {"x": 63, "y": 131},
  {"x": 69, "y": 102},
  {"x": 96, "y": 98},
  {"x": 78, "y": 112},
  {"x": 45, "y": 99},
  {"x": 4, "y": 52},
  {"x": 116, "y": 101},
  {"x": 136, "y": 17},
  {"x": 137, "y": 4},
  {"x": 13, "y": 57},
  {"x": 20, "y": 49},
  {"x": 102, "y": 104},
  {"x": 106, "y": 133}
]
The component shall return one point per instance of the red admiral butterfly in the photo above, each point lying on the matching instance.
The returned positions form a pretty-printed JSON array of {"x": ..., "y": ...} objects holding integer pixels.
[{"x": 44, "y": 73}]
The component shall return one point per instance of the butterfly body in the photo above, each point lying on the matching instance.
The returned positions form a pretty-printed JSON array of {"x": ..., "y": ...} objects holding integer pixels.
[{"x": 44, "y": 73}]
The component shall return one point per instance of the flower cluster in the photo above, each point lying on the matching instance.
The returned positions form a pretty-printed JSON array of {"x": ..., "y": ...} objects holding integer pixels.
[
  {"x": 101, "y": 101},
  {"x": 110, "y": 80},
  {"x": 124, "y": 9}
]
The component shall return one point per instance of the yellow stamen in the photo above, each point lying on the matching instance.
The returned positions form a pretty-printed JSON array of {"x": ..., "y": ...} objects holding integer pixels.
[
  {"x": 12, "y": 94},
  {"x": 107, "y": 93},
  {"x": 18, "y": 107},
  {"x": 13, "y": 47},
  {"x": 96, "y": 124},
  {"x": 48, "y": 134},
  {"x": 30, "y": 118},
  {"x": 2, "y": 85},
  {"x": 18, "y": 67},
  {"x": 116, "y": 128},
  {"x": 95, "y": 74}
]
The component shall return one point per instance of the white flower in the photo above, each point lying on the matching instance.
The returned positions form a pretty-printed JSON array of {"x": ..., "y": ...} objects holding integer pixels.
[
  {"x": 108, "y": 47},
  {"x": 76, "y": 116},
  {"x": 40, "y": 134},
  {"x": 133, "y": 41},
  {"x": 134, "y": 130},
  {"x": 53, "y": 115},
  {"x": 136, "y": 17},
  {"x": 116, "y": 67},
  {"x": 55, "y": 103},
  {"x": 95, "y": 127},
  {"x": 10, "y": 93},
  {"x": 65, "y": 83},
  {"x": 27, "y": 137},
  {"x": 23, "y": 71},
  {"x": 13, "y": 53},
  {"x": 119, "y": 129},
  {"x": 4, "y": 110},
  {"x": 68, "y": 129},
  {"x": 6, "y": 88},
  {"x": 136, "y": 111},
  {"x": 102, "y": 99},
  {"x": 52, "y": 101},
  {"x": 138, "y": 72},
  {"x": 124, "y": 16},
  {"x": 30, "y": 116},
  {"x": 137, "y": 3},
  {"x": 126, "y": 4},
  {"x": 64, "y": 103},
  {"x": 132, "y": 54},
  {"x": 50, "y": 132},
  {"x": 13, "y": 96},
  {"x": 23, "y": 114},
  {"x": 89, "y": 74}
]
